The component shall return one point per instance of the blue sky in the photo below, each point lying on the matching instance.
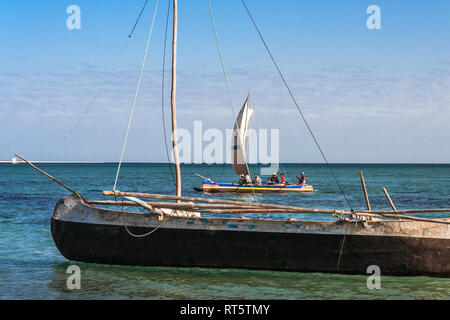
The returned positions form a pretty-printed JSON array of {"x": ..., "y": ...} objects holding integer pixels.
[{"x": 369, "y": 95}]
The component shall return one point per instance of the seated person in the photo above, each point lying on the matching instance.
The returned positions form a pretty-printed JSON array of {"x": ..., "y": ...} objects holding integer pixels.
[
  {"x": 244, "y": 179},
  {"x": 302, "y": 178},
  {"x": 282, "y": 178},
  {"x": 257, "y": 180},
  {"x": 273, "y": 179}
]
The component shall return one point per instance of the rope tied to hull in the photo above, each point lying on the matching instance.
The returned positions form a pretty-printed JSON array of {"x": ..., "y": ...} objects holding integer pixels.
[
  {"x": 341, "y": 249},
  {"x": 123, "y": 213}
]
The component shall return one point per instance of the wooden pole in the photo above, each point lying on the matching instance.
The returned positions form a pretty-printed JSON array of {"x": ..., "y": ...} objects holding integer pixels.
[
  {"x": 242, "y": 203},
  {"x": 406, "y": 211},
  {"x": 209, "y": 207},
  {"x": 51, "y": 177},
  {"x": 366, "y": 196},
  {"x": 199, "y": 175},
  {"x": 389, "y": 199},
  {"x": 173, "y": 101},
  {"x": 258, "y": 204},
  {"x": 231, "y": 210}
]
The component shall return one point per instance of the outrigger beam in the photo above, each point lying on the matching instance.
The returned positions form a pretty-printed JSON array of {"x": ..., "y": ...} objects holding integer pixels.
[
  {"x": 262, "y": 207},
  {"x": 51, "y": 177}
]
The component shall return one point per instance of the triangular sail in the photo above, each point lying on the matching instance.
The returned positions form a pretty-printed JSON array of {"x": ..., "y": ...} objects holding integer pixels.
[{"x": 238, "y": 156}]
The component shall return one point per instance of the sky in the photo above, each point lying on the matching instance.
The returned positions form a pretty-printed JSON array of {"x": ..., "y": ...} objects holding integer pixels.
[{"x": 373, "y": 96}]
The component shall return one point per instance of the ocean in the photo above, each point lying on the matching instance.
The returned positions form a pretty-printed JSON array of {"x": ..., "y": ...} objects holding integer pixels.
[{"x": 31, "y": 267}]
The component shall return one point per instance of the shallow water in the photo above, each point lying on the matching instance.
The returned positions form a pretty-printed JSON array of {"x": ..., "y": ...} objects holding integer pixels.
[{"x": 32, "y": 268}]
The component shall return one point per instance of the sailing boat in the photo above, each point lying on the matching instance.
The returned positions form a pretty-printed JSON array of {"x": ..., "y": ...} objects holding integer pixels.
[
  {"x": 90, "y": 231},
  {"x": 239, "y": 164}
]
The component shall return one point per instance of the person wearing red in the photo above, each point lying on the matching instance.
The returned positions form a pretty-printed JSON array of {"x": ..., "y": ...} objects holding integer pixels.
[{"x": 282, "y": 178}]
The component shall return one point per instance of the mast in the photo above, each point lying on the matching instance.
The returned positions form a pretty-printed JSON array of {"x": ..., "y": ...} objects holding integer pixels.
[{"x": 173, "y": 100}]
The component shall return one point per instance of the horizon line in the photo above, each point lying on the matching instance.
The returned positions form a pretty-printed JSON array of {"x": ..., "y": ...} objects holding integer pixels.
[{"x": 156, "y": 162}]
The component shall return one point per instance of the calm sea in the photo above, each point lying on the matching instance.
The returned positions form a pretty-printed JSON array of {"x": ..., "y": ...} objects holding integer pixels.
[{"x": 32, "y": 268}]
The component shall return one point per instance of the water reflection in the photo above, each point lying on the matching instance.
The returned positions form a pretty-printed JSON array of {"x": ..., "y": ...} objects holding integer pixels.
[{"x": 122, "y": 282}]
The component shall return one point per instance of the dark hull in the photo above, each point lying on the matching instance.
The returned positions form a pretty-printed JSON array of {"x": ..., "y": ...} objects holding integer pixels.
[{"x": 111, "y": 244}]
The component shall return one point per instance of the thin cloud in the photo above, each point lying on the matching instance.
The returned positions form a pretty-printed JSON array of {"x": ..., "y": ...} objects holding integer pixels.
[{"x": 354, "y": 90}]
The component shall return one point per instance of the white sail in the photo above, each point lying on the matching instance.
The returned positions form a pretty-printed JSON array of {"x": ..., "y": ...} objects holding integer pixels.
[{"x": 238, "y": 156}]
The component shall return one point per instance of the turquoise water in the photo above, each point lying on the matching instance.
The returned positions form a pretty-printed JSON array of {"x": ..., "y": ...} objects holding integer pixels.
[{"x": 32, "y": 268}]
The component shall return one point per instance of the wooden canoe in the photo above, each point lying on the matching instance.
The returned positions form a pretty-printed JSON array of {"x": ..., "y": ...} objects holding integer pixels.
[
  {"x": 398, "y": 247},
  {"x": 213, "y": 187}
]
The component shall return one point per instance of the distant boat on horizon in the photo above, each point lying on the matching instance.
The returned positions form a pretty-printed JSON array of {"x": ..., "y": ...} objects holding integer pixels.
[{"x": 239, "y": 150}]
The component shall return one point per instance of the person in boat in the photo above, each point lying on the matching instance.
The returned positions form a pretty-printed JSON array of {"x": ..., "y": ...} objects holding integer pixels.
[
  {"x": 257, "y": 180},
  {"x": 244, "y": 179},
  {"x": 282, "y": 178},
  {"x": 302, "y": 178},
  {"x": 273, "y": 179}
]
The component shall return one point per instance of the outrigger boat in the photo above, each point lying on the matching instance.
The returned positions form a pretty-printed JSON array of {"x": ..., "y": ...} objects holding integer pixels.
[
  {"x": 221, "y": 233},
  {"x": 239, "y": 147},
  {"x": 213, "y": 187}
]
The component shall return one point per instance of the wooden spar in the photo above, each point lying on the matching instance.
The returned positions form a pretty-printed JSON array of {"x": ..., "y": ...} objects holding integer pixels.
[
  {"x": 366, "y": 196},
  {"x": 195, "y": 206},
  {"x": 389, "y": 199},
  {"x": 242, "y": 203},
  {"x": 170, "y": 197},
  {"x": 199, "y": 175},
  {"x": 402, "y": 217},
  {"x": 231, "y": 210},
  {"x": 258, "y": 204},
  {"x": 437, "y": 210},
  {"x": 51, "y": 177},
  {"x": 173, "y": 101}
]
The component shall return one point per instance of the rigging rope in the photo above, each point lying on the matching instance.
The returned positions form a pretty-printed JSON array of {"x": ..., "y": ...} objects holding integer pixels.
[
  {"x": 108, "y": 77},
  {"x": 228, "y": 88},
  {"x": 296, "y": 104},
  {"x": 341, "y": 248},
  {"x": 138, "y": 18},
  {"x": 162, "y": 95},
  {"x": 128, "y": 230},
  {"x": 135, "y": 95}
]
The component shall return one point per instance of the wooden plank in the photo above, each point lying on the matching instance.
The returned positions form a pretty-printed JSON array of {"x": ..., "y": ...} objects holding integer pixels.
[
  {"x": 262, "y": 205},
  {"x": 389, "y": 199},
  {"x": 207, "y": 200},
  {"x": 209, "y": 207},
  {"x": 217, "y": 209},
  {"x": 366, "y": 196},
  {"x": 51, "y": 177}
]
